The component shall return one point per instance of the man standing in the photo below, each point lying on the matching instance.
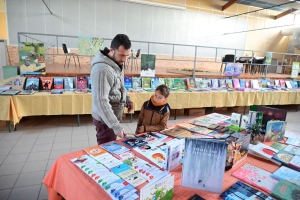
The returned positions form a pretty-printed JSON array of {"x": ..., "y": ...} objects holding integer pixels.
[{"x": 109, "y": 95}]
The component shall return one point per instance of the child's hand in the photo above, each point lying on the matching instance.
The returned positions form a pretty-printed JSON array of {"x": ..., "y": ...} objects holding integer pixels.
[{"x": 141, "y": 129}]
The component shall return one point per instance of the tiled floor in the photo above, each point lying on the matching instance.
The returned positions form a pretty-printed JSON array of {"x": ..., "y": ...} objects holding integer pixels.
[{"x": 27, "y": 154}]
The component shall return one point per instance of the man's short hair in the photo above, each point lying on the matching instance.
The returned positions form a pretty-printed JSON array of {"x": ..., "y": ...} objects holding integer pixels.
[
  {"x": 120, "y": 40},
  {"x": 164, "y": 90}
]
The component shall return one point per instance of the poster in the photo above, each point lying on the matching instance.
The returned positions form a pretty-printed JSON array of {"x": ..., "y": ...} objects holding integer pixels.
[
  {"x": 148, "y": 65},
  {"x": 32, "y": 58},
  {"x": 295, "y": 70},
  {"x": 89, "y": 45},
  {"x": 269, "y": 56}
]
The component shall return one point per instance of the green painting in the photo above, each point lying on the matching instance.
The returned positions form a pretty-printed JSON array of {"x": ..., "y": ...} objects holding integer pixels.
[
  {"x": 89, "y": 45},
  {"x": 148, "y": 65}
]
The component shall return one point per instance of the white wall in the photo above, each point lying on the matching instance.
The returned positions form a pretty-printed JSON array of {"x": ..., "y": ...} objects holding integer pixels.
[{"x": 106, "y": 18}]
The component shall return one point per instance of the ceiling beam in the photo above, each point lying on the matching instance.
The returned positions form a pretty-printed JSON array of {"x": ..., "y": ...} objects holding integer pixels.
[
  {"x": 228, "y": 4},
  {"x": 285, "y": 13}
]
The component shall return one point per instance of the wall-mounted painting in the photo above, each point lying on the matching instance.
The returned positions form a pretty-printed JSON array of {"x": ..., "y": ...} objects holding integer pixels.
[{"x": 89, "y": 45}]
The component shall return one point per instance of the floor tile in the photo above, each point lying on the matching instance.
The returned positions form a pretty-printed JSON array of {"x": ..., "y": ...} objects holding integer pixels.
[
  {"x": 35, "y": 156},
  {"x": 57, "y": 153},
  {"x": 62, "y": 133},
  {"x": 11, "y": 169},
  {"x": 47, "y": 134},
  {"x": 26, "y": 142},
  {"x": 32, "y": 178},
  {"x": 29, "y": 136},
  {"x": 80, "y": 144},
  {"x": 5, "y": 151},
  {"x": 50, "y": 163},
  {"x": 79, "y": 137},
  {"x": 2, "y": 158},
  {"x": 21, "y": 149},
  {"x": 46, "y": 140},
  {"x": 61, "y": 145},
  {"x": 9, "y": 181},
  {"x": 12, "y": 136},
  {"x": 43, "y": 193},
  {"x": 93, "y": 142},
  {"x": 67, "y": 138},
  {"x": 9, "y": 143},
  {"x": 16, "y": 158},
  {"x": 2, "y": 134},
  {"x": 4, "y": 194},
  {"x": 41, "y": 147},
  {"x": 35, "y": 166},
  {"x": 25, "y": 193}
]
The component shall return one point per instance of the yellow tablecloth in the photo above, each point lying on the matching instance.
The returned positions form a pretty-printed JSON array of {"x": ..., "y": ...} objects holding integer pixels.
[{"x": 43, "y": 103}]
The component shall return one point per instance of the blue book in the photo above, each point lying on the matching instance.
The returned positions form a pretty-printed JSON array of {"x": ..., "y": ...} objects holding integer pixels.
[
  {"x": 114, "y": 148},
  {"x": 32, "y": 84},
  {"x": 58, "y": 83},
  {"x": 89, "y": 84},
  {"x": 284, "y": 173},
  {"x": 127, "y": 82},
  {"x": 209, "y": 156},
  {"x": 154, "y": 83},
  {"x": 294, "y": 84},
  {"x": 283, "y": 157},
  {"x": 242, "y": 83},
  {"x": 120, "y": 168}
]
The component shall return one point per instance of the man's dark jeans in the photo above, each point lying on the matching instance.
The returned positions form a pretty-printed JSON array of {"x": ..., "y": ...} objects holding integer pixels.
[{"x": 104, "y": 133}]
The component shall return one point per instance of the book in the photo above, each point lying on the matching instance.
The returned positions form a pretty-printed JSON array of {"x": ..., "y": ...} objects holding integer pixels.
[
  {"x": 146, "y": 82},
  {"x": 69, "y": 84},
  {"x": 222, "y": 83},
  {"x": 292, "y": 149},
  {"x": 271, "y": 114},
  {"x": 285, "y": 173},
  {"x": 295, "y": 163},
  {"x": 214, "y": 83},
  {"x": 264, "y": 83},
  {"x": 282, "y": 83},
  {"x": 229, "y": 83},
  {"x": 175, "y": 153},
  {"x": 155, "y": 83},
  {"x": 114, "y": 148},
  {"x": 286, "y": 190},
  {"x": 26, "y": 92},
  {"x": 283, "y": 157},
  {"x": 275, "y": 131},
  {"x": 242, "y": 83},
  {"x": 237, "y": 149},
  {"x": 169, "y": 82},
  {"x": 46, "y": 83},
  {"x": 89, "y": 81},
  {"x": 264, "y": 151},
  {"x": 161, "y": 81},
  {"x": 278, "y": 146},
  {"x": 244, "y": 121},
  {"x": 18, "y": 83},
  {"x": 95, "y": 151},
  {"x": 10, "y": 92},
  {"x": 240, "y": 190},
  {"x": 127, "y": 82},
  {"x": 248, "y": 83},
  {"x": 160, "y": 189},
  {"x": 174, "y": 132},
  {"x": 57, "y": 91},
  {"x": 236, "y": 119},
  {"x": 254, "y": 84},
  {"x": 32, "y": 83},
  {"x": 58, "y": 83},
  {"x": 236, "y": 83},
  {"x": 209, "y": 156},
  {"x": 5, "y": 87},
  {"x": 294, "y": 142},
  {"x": 81, "y": 82},
  {"x": 256, "y": 177},
  {"x": 136, "y": 82},
  {"x": 288, "y": 84},
  {"x": 190, "y": 82},
  {"x": 196, "y": 197},
  {"x": 229, "y": 69}
]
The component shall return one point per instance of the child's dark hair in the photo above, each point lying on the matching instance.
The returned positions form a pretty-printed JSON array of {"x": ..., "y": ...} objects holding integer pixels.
[{"x": 164, "y": 90}]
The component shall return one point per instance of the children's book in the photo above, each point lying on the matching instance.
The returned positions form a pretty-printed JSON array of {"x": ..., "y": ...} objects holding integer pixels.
[
  {"x": 209, "y": 156},
  {"x": 242, "y": 83},
  {"x": 146, "y": 82},
  {"x": 136, "y": 82},
  {"x": 69, "y": 84},
  {"x": 270, "y": 114},
  {"x": 57, "y": 91},
  {"x": 288, "y": 84},
  {"x": 264, "y": 151},
  {"x": 46, "y": 83},
  {"x": 237, "y": 149},
  {"x": 284, "y": 173},
  {"x": 278, "y": 146},
  {"x": 282, "y": 83},
  {"x": 217, "y": 116},
  {"x": 264, "y": 83},
  {"x": 18, "y": 83},
  {"x": 161, "y": 81},
  {"x": 114, "y": 148},
  {"x": 169, "y": 82},
  {"x": 89, "y": 84},
  {"x": 127, "y": 82},
  {"x": 81, "y": 82},
  {"x": 229, "y": 83},
  {"x": 229, "y": 69},
  {"x": 26, "y": 92},
  {"x": 295, "y": 163},
  {"x": 255, "y": 84},
  {"x": 283, "y": 157},
  {"x": 190, "y": 82},
  {"x": 244, "y": 121},
  {"x": 222, "y": 83},
  {"x": 161, "y": 189},
  {"x": 32, "y": 83},
  {"x": 174, "y": 132},
  {"x": 275, "y": 131},
  {"x": 214, "y": 83},
  {"x": 240, "y": 191},
  {"x": 293, "y": 150},
  {"x": 236, "y": 119},
  {"x": 294, "y": 84},
  {"x": 175, "y": 153},
  {"x": 286, "y": 190},
  {"x": 236, "y": 83},
  {"x": 95, "y": 151},
  {"x": 294, "y": 142},
  {"x": 10, "y": 92},
  {"x": 257, "y": 177},
  {"x": 248, "y": 83},
  {"x": 155, "y": 82},
  {"x": 58, "y": 83}
]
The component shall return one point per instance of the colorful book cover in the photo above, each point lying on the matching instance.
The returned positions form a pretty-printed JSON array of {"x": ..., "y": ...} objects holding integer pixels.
[
  {"x": 175, "y": 153},
  {"x": 190, "y": 82},
  {"x": 283, "y": 157},
  {"x": 242, "y": 83},
  {"x": 236, "y": 83},
  {"x": 264, "y": 83},
  {"x": 136, "y": 82},
  {"x": 236, "y": 119},
  {"x": 284, "y": 173},
  {"x": 257, "y": 177},
  {"x": 32, "y": 84},
  {"x": 222, "y": 83},
  {"x": 248, "y": 83},
  {"x": 244, "y": 121},
  {"x": 161, "y": 81},
  {"x": 174, "y": 132},
  {"x": 95, "y": 151},
  {"x": 207, "y": 82},
  {"x": 295, "y": 162},
  {"x": 162, "y": 189},
  {"x": 288, "y": 84},
  {"x": 146, "y": 82},
  {"x": 89, "y": 84},
  {"x": 270, "y": 114},
  {"x": 169, "y": 82},
  {"x": 131, "y": 143},
  {"x": 128, "y": 82},
  {"x": 294, "y": 142},
  {"x": 293, "y": 150},
  {"x": 69, "y": 84},
  {"x": 264, "y": 150},
  {"x": 135, "y": 179},
  {"x": 114, "y": 148},
  {"x": 18, "y": 83},
  {"x": 198, "y": 155},
  {"x": 278, "y": 146},
  {"x": 155, "y": 82},
  {"x": 237, "y": 149},
  {"x": 295, "y": 84},
  {"x": 286, "y": 190},
  {"x": 148, "y": 65},
  {"x": 238, "y": 69},
  {"x": 282, "y": 83},
  {"x": 46, "y": 83},
  {"x": 275, "y": 131},
  {"x": 229, "y": 69},
  {"x": 81, "y": 82},
  {"x": 277, "y": 83},
  {"x": 214, "y": 83},
  {"x": 229, "y": 83},
  {"x": 58, "y": 83}
]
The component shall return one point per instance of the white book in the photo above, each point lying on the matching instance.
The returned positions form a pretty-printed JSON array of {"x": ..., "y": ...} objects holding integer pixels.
[
  {"x": 236, "y": 119},
  {"x": 244, "y": 121},
  {"x": 255, "y": 84},
  {"x": 288, "y": 84},
  {"x": 175, "y": 153},
  {"x": 264, "y": 150}
]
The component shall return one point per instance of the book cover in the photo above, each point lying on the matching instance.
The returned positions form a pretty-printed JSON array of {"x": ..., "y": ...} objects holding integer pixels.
[
  {"x": 161, "y": 81},
  {"x": 256, "y": 177},
  {"x": 10, "y": 92},
  {"x": 169, "y": 82},
  {"x": 209, "y": 156},
  {"x": 162, "y": 189},
  {"x": 135, "y": 179},
  {"x": 175, "y": 153},
  {"x": 237, "y": 149},
  {"x": 222, "y": 83},
  {"x": 278, "y": 146},
  {"x": 196, "y": 197},
  {"x": 295, "y": 163},
  {"x": 294, "y": 142},
  {"x": 271, "y": 114},
  {"x": 58, "y": 83},
  {"x": 26, "y": 92},
  {"x": 69, "y": 84},
  {"x": 244, "y": 121},
  {"x": 95, "y": 151},
  {"x": 214, "y": 83},
  {"x": 89, "y": 82},
  {"x": 248, "y": 83},
  {"x": 283, "y": 157},
  {"x": 207, "y": 82},
  {"x": 136, "y": 82},
  {"x": 148, "y": 65},
  {"x": 295, "y": 84},
  {"x": 32, "y": 83},
  {"x": 264, "y": 83},
  {"x": 146, "y": 82},
  {"x": 114, "y": 148},
  {"x": 46, "y": 83},
  {"x": 174, "y": 132},
  {"x": 242, "y": 83},
  {"x": 229, "y": 69},
  {"x": 286, "y": 190},
  {"x": 288, "y": 84},
  {"x": 236, "y": 83},
  {"x": 238, "y": 69},
  {"x": 255, "y": 84},
  {"x": 81, "y": 82},
  {"x": 264, "y": 150},
  {"x": 236, "y": 119},
  {"x": 284, "y": 173},
  {"x": 18, "y": 83},
  {"x": 229, "y": 83},
  {"x": 57, "y": 91},
  {"x": 190, "y": 82},
  {"x": 282, "y": 83},
  {"x": 277, "y": 83},
  {"x": 293, "y": 150},
  {"x": 275, "y": 131},
  {"x": 155, "y": 83}
]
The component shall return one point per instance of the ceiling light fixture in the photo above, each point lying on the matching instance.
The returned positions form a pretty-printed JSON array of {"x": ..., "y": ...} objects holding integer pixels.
[{"x": 155, "y": 4}]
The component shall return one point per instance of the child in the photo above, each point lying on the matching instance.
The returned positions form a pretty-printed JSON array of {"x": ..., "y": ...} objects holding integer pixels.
[{"x": 155, "y": 113}]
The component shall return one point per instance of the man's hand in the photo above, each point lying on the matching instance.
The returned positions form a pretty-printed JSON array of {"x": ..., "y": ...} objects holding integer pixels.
[
  {"x": 130, "y": 106},
  {"x": 121, "y": 134},
  {"x": 141, "y": 129}
]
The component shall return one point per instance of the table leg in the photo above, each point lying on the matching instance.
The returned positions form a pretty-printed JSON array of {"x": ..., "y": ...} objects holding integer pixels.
[
  {"x": 175, "y": 114},
  {"x": 213, "y": 109},
  {"x": 244, "y": 109},
  {"x": 78, "y": 120},
  {"x": 9, "y": 126},
  {"x": 130, "y": 117}
]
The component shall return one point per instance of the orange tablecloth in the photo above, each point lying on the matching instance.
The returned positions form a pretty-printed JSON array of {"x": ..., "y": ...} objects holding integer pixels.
[{"x": 69, "y": 181}]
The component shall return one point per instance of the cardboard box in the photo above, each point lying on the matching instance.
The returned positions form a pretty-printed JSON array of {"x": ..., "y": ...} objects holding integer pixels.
[
  {"x": 220, "y": 109},
  {"x": 3, "y": 123},
  {"x": 196, "y": 111},
  {"x": 178, "y": 112},
  {"x": 239, "y": 109}
]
